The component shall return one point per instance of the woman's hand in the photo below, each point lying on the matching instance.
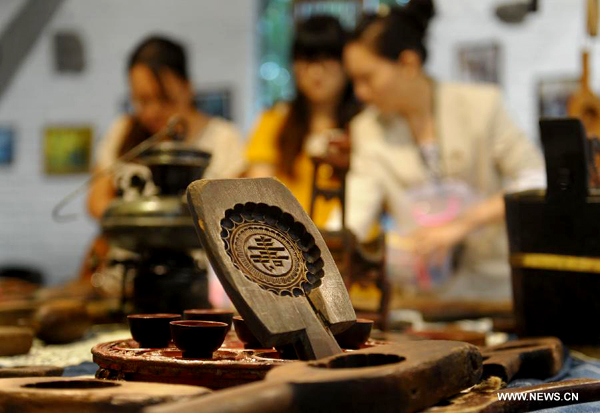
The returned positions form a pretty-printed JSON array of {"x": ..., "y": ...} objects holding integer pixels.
[
  {"x": 338, "y": 152},
  {"x": 434, "y": 244},
  {"x": 100, "y": 195}
]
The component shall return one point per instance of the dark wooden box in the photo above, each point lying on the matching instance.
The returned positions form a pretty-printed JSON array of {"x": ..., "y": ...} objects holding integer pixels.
[{"x": 554, "y": 240}]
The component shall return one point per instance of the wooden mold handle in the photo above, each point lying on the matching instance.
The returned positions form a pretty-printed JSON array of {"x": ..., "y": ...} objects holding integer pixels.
[
  {"x": 585, "y": 71},
  {"x": 592, "y": 17},
  {"x": 260, "y": 397}
]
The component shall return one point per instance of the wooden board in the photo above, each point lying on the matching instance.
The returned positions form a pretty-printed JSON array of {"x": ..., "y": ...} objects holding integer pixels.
[
  {"x": 272, "y": 262},
  {"x": 31, "y": 371},
  {"x": 538, "y": 358},
  {"x": 77, "y": 395},
  {"x": 395, "y": 378}
]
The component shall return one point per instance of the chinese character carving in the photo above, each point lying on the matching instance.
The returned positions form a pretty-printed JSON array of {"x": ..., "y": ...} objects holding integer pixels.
[{"x": 267, "y": 254}]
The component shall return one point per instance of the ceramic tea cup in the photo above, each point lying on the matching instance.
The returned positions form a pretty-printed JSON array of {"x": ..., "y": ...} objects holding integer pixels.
[
  {"x": 245, "y": 334},
  {"x": 222, "y": 316},
  {"x": 151, "y": 330},
  {"x": 198, "y": 339}
]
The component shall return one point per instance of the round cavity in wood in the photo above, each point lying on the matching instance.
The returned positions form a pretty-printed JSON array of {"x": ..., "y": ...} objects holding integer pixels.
[
  {"x": 71, "y": 384},
  {"x": 272, "y": 249},
  {"x": 349, "y": 360},
  {"x": 520, "y": 346}
]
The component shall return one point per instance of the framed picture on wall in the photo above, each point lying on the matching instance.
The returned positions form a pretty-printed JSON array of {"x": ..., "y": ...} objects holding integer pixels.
[
  {"x": 67, "y": 149},
  {"x": 479, "y": 62},
  {"x": 69, "y": 52},
  {"x": 6, "y": 145},
  {"x": 553, "y": 94}
]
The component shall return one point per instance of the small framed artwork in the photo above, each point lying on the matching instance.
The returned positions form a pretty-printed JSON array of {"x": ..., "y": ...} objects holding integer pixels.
[
  {"x": 69, "y": 53},
  {"x": 67, "y": 149},
  {"x": 479, "y": 62},
  {"x": 553, "y": 93},
  {"x": 6, "y": 145}
]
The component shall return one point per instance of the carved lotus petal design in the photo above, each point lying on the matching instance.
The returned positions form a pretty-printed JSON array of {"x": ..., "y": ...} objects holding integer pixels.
[{"x": 272, "y": 249}]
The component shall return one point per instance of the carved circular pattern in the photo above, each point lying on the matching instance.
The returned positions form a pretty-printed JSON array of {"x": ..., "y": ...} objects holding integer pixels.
[{"x": 272, "y": 249}]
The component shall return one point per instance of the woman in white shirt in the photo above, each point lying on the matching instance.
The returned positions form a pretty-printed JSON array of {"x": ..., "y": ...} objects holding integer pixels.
[
  {"x": 160, "y": 88},
  {"x": 419, "y": 134}
]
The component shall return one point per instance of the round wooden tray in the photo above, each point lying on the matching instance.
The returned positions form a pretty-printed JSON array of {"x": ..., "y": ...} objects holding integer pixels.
[{"x": 231, "y": 365}]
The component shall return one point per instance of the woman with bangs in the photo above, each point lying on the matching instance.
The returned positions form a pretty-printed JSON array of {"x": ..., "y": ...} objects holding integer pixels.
[
  {"x": 160, "y": 88},
  {"x": 324, "y": 102}
]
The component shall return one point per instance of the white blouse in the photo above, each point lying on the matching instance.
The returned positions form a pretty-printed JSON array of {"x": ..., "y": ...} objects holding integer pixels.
[{"x": 478, "y": 145}]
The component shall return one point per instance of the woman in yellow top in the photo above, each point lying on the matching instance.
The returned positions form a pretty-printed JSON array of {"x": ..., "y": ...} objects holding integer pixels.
[{"x": 324, "y": 101}]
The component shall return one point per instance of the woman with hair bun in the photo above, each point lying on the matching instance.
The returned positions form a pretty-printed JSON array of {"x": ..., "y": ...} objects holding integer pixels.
[{"x": 438, "y": 156}]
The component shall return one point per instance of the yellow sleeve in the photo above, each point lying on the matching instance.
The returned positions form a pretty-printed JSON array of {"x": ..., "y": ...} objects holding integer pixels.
[{"x": 262, "y": 145}]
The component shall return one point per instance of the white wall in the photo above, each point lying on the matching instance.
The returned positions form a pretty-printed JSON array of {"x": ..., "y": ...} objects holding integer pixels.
[
  {"x": 548, "y": 43},
  {"x": 220, "y": 40}
]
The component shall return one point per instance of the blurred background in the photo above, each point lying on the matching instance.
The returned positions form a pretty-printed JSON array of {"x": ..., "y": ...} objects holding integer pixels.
[{"x": 63, "y": 80}]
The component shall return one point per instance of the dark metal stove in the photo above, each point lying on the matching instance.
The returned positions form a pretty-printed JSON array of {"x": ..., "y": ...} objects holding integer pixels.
[{"x": 170, "y": 270}]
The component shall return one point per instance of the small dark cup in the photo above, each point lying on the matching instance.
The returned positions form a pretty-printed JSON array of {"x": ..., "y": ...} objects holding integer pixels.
[
  {"x": 222, "y": 316},
  {"x": 198, "y": 339},
  {"x": 245, "y": 334},
  {"x": 356, "y": 335},
  {"x": 151, "y": 330}
]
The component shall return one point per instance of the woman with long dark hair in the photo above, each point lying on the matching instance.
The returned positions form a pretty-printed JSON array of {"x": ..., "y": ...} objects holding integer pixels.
[
  {"x": 324, "y": 101},
  {"x": 437, "y": 156},
  {"x": 161, "y": 88}
]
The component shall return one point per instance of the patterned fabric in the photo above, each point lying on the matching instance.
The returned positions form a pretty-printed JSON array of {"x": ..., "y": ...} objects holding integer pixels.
[
  {"x": 63, "y": 355},
  {"x": 574, "y": 368}
]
